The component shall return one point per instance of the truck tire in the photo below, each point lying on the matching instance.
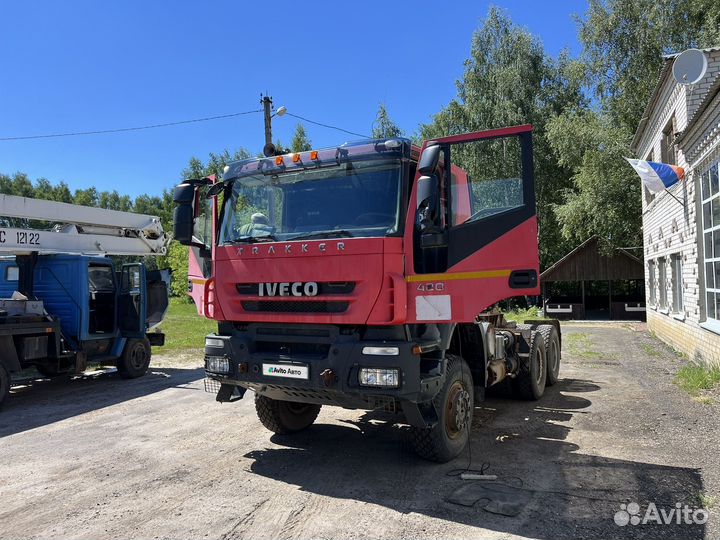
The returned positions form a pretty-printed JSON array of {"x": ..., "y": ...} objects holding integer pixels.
[
  {"x": 285, "y": 417},
  {"x": 529, "y": 384},
  {"x": 135, "y": 358},
  {"x": 4, "y": 383},
  {"x": 552, "y": 352},
  {"x": 454, "y": 404}
]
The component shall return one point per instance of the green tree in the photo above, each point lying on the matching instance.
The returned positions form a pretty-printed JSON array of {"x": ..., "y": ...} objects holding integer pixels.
[
  {"x": 214, "y": 164},
  {"x": 300, "y": 141},
  {"x": 509, "y": 80},
  {"x": 605, "y": 196},
  {"x": 623, "y": 41},
  {"x": 384, "y": 127}
]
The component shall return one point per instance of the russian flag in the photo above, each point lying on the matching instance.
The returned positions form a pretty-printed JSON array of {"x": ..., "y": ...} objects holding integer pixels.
[{"x": 657, "y": 176}]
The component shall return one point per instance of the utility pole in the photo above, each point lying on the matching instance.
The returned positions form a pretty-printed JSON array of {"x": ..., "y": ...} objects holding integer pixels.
[
  {"x": 267, "y": 103},
  {"x": 267, "y": 109}
]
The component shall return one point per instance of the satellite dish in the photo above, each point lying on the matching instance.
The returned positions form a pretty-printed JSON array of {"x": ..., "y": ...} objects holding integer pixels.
[{"x": 690, "y": 66}]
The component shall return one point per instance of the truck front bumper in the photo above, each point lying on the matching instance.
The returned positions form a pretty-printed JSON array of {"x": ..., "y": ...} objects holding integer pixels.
[{"x": 321, "y": 364}]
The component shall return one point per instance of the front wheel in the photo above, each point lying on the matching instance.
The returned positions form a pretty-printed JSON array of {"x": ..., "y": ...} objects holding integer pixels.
[
  {"x": 135, "y": 359},
  {"x": 285, "y": 417},
  {"x": 454, "y": 404}
]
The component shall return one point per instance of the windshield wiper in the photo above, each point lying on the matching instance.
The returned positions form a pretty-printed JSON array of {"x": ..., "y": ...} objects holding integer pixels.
[
  {"x": 253, "y": 239},
  {"x": 341, "y": 233}
]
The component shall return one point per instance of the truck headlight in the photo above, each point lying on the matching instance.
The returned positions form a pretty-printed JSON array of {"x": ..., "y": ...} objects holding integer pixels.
[
  {"x": 389, "y": 378},
  {"x": 214, "y": 342},
  {"x": 381, "y": 351},
  {"x": 217, "y": 364}
]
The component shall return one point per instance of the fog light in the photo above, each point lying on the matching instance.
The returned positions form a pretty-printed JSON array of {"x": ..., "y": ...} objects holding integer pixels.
[
  {"x": 381, "y": 351},
  {"x": 214, "y": 342},
  {"x": 379, "y": 377},
  {"x": 217, "y": 364}
]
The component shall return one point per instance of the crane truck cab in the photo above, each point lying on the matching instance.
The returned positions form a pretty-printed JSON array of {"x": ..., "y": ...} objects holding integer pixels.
[
  {"x": 63, "y": 305},
  {"x": 361, "y": 276}
]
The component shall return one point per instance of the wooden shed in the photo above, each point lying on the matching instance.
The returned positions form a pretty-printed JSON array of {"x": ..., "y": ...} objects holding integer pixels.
[{"x": 588, "y": 284}]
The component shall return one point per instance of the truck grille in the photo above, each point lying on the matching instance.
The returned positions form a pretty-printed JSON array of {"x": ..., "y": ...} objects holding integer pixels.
[
  {"x": 297, "y": 306},
  {"x": 324, "y": 288}
]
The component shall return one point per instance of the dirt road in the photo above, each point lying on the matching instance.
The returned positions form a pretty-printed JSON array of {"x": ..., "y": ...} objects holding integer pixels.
[{"x": 157, "y": 457}]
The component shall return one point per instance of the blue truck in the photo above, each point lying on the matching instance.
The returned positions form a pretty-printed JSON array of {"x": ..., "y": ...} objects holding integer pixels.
[{"x": 64, "y": 302}]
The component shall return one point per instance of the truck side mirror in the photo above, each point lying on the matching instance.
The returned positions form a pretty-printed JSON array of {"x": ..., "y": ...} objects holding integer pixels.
[
  {"x": 184, "y": 213},
  {"x": 183, "y": 224},
  {"x": 427, "y": 214},
  {"x": 429, "y": 159}
]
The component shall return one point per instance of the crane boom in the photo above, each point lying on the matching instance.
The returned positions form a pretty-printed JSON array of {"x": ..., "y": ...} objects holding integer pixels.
[{"x": 79, "y": 229}]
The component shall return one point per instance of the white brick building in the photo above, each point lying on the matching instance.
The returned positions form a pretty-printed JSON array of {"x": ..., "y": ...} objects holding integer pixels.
[{"x": 681, "y": 126}]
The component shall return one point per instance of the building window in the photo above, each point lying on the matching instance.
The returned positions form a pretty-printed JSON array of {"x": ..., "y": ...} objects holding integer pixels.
[
  {"x": 711, "y": 240},
  {"x": 662, "y": 284},
  {"x": 651, "y": 283},
  {"x": 667, "y": 143},
  {"x": 677, "y": 282}
]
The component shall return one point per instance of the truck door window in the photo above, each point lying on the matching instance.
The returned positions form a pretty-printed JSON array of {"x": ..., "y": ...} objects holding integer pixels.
[
  {"x": 12, "y": 273},
  {"x": 101, "y": 288},
  {"x": 486, "y": 178}
]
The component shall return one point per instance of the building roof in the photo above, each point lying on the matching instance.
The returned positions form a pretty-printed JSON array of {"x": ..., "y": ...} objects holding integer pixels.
[
  {"x": 664, "y": 72},
  {"x": 587, "y": 263}
]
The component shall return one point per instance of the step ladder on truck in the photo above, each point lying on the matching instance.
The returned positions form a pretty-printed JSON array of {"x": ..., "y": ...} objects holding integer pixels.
[{"x": 63, "y": 303}]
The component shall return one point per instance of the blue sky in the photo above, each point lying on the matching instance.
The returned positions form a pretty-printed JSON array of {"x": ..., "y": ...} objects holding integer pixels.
[{"x": 80, "y": 66}]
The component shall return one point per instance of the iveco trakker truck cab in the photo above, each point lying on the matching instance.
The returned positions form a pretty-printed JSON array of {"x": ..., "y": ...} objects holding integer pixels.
[{"x": 361, "y": 276}]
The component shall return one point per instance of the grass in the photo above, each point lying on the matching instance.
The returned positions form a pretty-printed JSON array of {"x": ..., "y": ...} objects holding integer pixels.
[
  {"x": 694, "y": 378},
  {"x": 650, "y": 350},
  {"x": 184, "y": 328},
  {"x": 579, "y": 344},
  {"x": 520, "y": 315},
  {"x": 705, "y": 501}
]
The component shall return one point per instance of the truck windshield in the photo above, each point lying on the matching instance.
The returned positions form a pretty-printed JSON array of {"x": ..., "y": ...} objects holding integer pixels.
[{"x": 358, "y": 198}]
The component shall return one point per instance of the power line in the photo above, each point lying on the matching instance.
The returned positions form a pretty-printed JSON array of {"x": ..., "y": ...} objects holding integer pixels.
[
  {"x": 168, "y": 124},
  {"x": 326, "y": 125},
  {"x": 137, "y": 128}
]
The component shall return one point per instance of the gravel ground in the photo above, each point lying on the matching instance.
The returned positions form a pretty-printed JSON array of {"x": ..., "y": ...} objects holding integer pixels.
[{"x": 157, "y": 457}]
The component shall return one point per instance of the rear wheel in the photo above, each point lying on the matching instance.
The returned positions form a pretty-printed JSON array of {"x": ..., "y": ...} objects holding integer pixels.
[
  {"x": 135, "y": 359},
  {"x": 552, "y": 352},
  {"x": 4, "y": 383},
  {"x": 284, "y": 417},
  {"x": 530, "y": 381},
  {"x": 454, "y": 404}
]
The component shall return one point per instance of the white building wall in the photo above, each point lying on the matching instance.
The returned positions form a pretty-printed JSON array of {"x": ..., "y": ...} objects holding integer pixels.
[{"x": 671, "y": 227}]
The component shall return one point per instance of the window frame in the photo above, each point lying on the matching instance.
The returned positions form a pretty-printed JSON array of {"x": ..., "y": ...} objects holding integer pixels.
[
  {"x": 668, "y": 150},
  {"x": 676, "y": 280},
  {"x": 662, "y": 284},
  {"x": 652, "y": 277},
  {"x": 712, "y": 319}
]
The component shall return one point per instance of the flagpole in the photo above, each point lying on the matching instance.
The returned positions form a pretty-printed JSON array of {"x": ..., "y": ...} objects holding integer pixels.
[{"x": 674, "y": 197}]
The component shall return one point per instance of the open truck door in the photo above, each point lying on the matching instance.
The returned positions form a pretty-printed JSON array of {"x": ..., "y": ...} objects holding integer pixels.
[
  {"x": 132, "y": 304},
  {"x": 472, "y": 240}
]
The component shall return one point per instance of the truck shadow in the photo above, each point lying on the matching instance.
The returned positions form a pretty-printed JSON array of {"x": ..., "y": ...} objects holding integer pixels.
[
  {"x": 560, "y": 490},
  {"x": 38, "y": 402}
]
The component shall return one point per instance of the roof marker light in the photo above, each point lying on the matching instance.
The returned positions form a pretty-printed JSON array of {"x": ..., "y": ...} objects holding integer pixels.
[
  {"x": 314, "y": 155},
  {"x": 279, "y": 161},
  {"x": 296, "y": 158}
]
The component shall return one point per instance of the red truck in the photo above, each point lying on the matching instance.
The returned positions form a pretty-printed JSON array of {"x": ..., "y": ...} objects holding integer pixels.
[{"x": 360, "y": 276}]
